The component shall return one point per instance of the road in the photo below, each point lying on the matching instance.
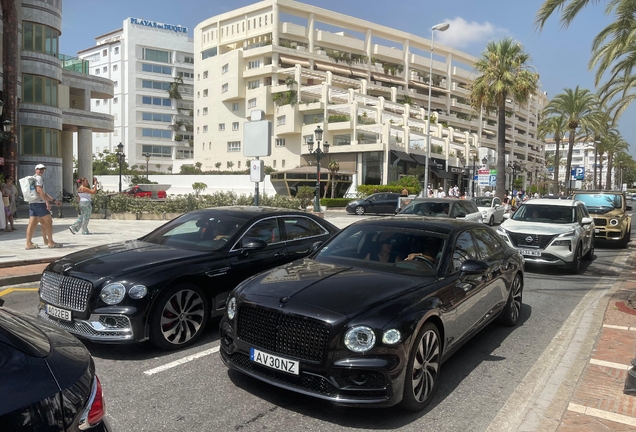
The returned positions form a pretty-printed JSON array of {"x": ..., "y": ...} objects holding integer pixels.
[{"x": 147, "y": 389}]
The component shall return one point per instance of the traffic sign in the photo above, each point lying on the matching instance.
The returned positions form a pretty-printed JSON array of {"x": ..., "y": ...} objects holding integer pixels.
[{"x": 578, "y": 173}]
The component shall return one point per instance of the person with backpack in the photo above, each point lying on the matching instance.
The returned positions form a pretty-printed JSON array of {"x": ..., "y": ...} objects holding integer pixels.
[{"x": 40, "y": 212}]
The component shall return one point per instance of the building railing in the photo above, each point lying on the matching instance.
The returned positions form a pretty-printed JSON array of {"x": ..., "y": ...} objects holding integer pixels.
[{"x": 74, "y": 64}]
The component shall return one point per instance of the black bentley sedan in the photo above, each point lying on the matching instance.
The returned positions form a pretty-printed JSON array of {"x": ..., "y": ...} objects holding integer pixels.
[
  {"x": 369, "y": 318},
  {"x": 166, "y": 285},
  {"x": 47, "y": 379}
]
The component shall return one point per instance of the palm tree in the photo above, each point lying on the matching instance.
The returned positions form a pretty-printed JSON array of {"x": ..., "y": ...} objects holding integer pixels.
[
  {"x": 554, "y": 125},
  {"x": 333, "y": 168},
  {"x": 580, "y": 107},
  {"x": 504, "y": 73},
  {"x": 615, "y": 144}
]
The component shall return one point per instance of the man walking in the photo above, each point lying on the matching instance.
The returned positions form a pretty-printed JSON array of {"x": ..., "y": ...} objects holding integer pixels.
[{"x": 40, "y": 212}]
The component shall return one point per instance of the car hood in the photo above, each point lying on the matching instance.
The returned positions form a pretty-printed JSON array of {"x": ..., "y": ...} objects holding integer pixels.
[
  {"x": 485, "y": 208},
  {"x": 540, "y": 228},
  {"x": 605, "y": 212},
  {"x": 123, "y": 258},
  {"x": 347, "y": 291}
]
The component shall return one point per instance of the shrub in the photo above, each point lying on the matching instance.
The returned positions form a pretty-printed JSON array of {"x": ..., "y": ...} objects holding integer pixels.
[
  {"x": 365, "y": 190},
  {"x": 305, "y": 195},
  {"x": 335, "y": 202}
]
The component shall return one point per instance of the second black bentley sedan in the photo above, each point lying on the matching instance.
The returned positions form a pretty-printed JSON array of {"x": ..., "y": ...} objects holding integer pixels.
[
  {"x": 369, "y": 318},
  {"x": 47, "y": 379},
  {"x": 166, "y": 285}
]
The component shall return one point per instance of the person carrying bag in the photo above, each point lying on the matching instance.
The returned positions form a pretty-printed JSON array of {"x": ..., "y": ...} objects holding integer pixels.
[{"x": 85, "y": 194}]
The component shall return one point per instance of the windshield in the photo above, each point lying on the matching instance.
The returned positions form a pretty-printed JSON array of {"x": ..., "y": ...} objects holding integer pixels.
[
  {"x": 398, "y": 250},
  {"x": 599, "y": 201},
  {"x": 426, "y": 208},
  {"x": 208, "y": 231},
  {"x": 483, "y": 202},
  {"x": 545, "y": 214}
]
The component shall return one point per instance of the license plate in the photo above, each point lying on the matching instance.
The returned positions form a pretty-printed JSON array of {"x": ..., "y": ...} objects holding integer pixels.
[
  {"x": 274, "y": 362},
  {"x": 530, "y": 252},
  {"x": 55, "y": 312},
  {"x": 596, "y": 230}
]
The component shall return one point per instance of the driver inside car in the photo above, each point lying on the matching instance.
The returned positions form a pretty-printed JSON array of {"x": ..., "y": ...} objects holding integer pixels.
[{"x": 427, "y": 249}]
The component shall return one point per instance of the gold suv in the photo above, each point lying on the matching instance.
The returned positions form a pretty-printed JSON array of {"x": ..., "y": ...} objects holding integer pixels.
[{"x": 609, "y": 210}]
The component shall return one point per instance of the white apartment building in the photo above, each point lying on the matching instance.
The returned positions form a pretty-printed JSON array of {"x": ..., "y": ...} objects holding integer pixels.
[
  {"x": 364, "y": 84},
  {"x": 143, "y": 59},
  {"x": 582, "y": 156}
]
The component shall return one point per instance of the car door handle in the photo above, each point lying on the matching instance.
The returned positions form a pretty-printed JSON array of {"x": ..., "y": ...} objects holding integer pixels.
[
  {"x": 303, "y": 251},
  {"x": 218, "y": 272},
  {"x": 279, "y": 254}
]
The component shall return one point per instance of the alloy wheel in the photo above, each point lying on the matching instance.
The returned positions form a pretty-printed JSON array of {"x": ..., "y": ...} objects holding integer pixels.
[
  {"x": 182, "y": 316},
  {"x": 425, "y": 366},
  {"x": 515, "y": 299},
  {"x": 359, "y": 210}
]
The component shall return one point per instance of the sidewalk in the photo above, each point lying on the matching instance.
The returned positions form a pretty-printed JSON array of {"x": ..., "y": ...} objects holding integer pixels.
[{"x": 597, "y": 401}]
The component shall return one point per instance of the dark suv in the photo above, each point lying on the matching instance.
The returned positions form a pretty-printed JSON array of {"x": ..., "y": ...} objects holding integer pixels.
[
  {"x": 609, "y": 210},
  {"x": 383, "y": 202}
]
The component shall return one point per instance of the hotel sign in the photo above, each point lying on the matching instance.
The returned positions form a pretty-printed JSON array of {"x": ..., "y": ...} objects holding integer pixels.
[{"x": 155, "y": 24}]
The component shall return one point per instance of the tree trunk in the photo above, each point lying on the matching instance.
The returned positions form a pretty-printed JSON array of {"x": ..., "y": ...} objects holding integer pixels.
[
  {"x": 10, "y": 62},
  {"x": 568, "y": 164},
  {"x": 608, "y": 176},
  {"x": 557, "y": 160},
  {"x": 500, "y": 188},
  {"x": 600, "y": 171}
]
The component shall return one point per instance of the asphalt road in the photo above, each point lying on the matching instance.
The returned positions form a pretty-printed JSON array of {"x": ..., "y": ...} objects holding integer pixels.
[{"x": 148, "y": 390}]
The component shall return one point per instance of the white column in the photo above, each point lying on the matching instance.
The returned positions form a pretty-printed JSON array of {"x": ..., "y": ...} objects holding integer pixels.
[
  {"x": 85, "y": 153},
  {"x": 275, "y": 24},
  {"x": 311, "y": 31},
  {"x": 67, "y": 161}
]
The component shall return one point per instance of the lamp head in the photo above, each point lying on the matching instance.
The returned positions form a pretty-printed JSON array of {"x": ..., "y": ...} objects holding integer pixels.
[
  {"x": 326, "y": 146},
  {"x": 318, "y": 133},
  {"x": 147, "y": 156},
  {"x": 1, "y": 106},
  {"x": 441, "y": 27},
  {"x": 310, "y": 144},
  {"x": 484, "y": 160},
  {"x": 6, "y": 125},
  {"x": 120, "y": 148}
]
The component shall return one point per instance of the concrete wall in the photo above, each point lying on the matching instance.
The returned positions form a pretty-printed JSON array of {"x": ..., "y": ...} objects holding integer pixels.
[{"x": 182, "y": 184}]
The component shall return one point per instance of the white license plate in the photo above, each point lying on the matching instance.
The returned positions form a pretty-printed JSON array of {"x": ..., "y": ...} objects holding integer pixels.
[
  {"x": 62, "y": 314},
  {"x": 530, "y": 252},
  {"x": 274, "y": 362}
]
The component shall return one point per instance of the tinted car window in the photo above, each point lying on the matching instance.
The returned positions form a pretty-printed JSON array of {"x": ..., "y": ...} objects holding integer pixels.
[
  {"x": 425, "y": 208},
  {"x": 464, "y": 249},
  {"x": 599, "y": 201},
  {"x": 483, "y": 202},
  {"x": 301, "y": 227},
  {"x": 470, "y": 207},
  {"x": 545, "y": 214},
  {"x": 266, "y": 230},
  {"x": 486, "y": 244},
  {"x": 22, "y": 335},
  {"x": 496, "y": 201}
]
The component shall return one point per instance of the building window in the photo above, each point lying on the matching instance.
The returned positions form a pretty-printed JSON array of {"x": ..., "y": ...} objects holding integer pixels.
[
  {"x": 205, "y": 111},
  {"x": 225, "y": 68},
  {"x": 115, "y": 68},
  {"x": 254, "y": 64},
  {"x": 251, "y": 103},
  {"x": 235, "y": 107},
  {"x": 239, "y": 165},
  {"x": 157, "y": 150},
  {"x": 155, "y": 85},
  {"x": 116, "y": 50},
  {"x": 280, "y": 142},
  {"x": 224, "y": 88},
  {"x": 40, "y": 38},
  {"x": 205, "y": 129},
  {"x": 253, "y": 84},
  {"x": 97, "y": 71},
  {"x": 165, "y": 70},
  {"x": 104, "y": 53},
  {"x": 116, "y": 83},
  {"x": 233, "y": 146},
  {"x": 97, "y": 103},
  {"x": 235, "y": 126},
  {"x": 205, "y": 93},
  {"x": 189, "y": 60},
  {"x": 157, "y": 55},
  {"x": 156, "y": 117},
  {"x": 147, "y": 100},
  {"x": 115, "y": 101},
  {"x": 205, "y": 74},
  {"x": 274, "y": 163},
  {"x": 104, "y": 69},
  {"x": 282, "y": 163},
  {"x": 156, "y": 133},
  {"x": 221, "y": 127},
  {"x": 280, "y": 120},
  {"x": 39, "y": 90},
  {"x": 41, "y": 141}
]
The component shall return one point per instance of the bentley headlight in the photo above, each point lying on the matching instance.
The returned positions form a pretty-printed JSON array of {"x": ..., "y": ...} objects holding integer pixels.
[
  {"x": 113, "y": 293},
  {"x": 391, "y": 337},
  {"x": 613, "y": 222},
  {"x": 359, "y": 339},
  {"x": 231, "y": 308},
  {"x": 137, "y": 292}
]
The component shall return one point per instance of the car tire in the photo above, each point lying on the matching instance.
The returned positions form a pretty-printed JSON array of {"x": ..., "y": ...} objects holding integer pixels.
[
  {"x": 179, "y": 317},
  {"x": 491, "y": 222},
  {"x": 625, "y": 241},
  {"x": 575, "y": 265},
  {"x": 360, "y": 210},
  {"x": 512, "y": 311},
  {"x": 589, "y": 256},
  {"x": 423, "y": 369}
]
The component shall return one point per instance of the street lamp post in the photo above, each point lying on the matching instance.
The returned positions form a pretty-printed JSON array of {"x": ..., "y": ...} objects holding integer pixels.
[
  {"x": 6, "y": 133},
  {"x": 318, "y": 154},
  {"x": 596, "y": 142},
  {"x": 439, "y": 27},
  {"x": 120, "y": 158},
  {"x": 147, "y": 160},
  {"x": 484, "y": 162}
]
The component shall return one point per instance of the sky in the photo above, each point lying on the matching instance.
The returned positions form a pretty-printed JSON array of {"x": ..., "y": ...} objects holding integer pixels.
[{"x": 559, "y": 55}]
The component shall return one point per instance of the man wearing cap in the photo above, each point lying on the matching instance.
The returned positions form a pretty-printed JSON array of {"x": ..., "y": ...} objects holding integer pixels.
[{"x": 40, "y": 212}]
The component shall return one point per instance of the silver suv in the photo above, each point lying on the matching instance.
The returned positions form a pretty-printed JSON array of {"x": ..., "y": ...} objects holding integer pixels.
[{"x": 551, "y": 232}]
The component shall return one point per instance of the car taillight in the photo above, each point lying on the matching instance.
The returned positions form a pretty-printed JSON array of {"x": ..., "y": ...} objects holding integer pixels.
[{"x": 95, "y": 409}]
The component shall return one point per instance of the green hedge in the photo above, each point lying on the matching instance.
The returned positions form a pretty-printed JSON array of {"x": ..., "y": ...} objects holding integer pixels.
[
  {"x": 335, "y": 202},
  {"x": 365, "y": 190}
]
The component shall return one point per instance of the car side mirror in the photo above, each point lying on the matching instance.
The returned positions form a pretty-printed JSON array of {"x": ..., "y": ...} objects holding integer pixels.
[
  {"x": 460, "y": 216},
  {"x": 586, "y": 221},
  {"x": 316, "y": 246},
  {"x": 251, "y": 243},
  {"x": 474, "y": 267}
]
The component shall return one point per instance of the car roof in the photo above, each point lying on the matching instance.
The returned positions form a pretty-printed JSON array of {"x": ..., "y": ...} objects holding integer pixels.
[
  {"x": 597, "y": 192},
  {"x": 440, "y": 225},
  {"x": 552, "y": 202},
  {"x": 436, "y": 200},
  {"x": 250, "y": 211},
  {"x": 484, "y": 196}
]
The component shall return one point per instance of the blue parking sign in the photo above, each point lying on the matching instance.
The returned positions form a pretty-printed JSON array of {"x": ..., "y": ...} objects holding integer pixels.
[
  {"x": 578, "y": 173},
  {"x": 493, "y": 180}
]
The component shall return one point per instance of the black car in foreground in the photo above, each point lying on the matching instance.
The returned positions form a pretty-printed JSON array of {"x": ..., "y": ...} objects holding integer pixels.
[
  {"x": 369, "y": 319},
  {"x": 166, "y": 285},
  {"x": 47, "y": 379}
]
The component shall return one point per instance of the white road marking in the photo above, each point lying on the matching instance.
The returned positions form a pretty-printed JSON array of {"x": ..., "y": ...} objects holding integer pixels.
[
  {"x": 610, "y": 364},
  {"x": 181, "y": 361},
  {"x": 606, "y": 415}
]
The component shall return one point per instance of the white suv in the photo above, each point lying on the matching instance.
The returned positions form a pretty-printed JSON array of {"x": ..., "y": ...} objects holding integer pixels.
[{"x": 551, "y": 232}]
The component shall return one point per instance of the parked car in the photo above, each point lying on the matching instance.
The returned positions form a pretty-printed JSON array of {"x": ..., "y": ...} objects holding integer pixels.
[
  {"x": 138, "y": 192},
  {"x": 166, "y": 285},
  {"x": 491, "y": 208},
  {"x": 551, "y": 232},
  {"x": 348, "y": 329},
  {"x": 609, "y": 210},
  {"x": 47, "y": 378},
  {"x": 384, "y": 202},
  {"x": 443, "y": 207}
]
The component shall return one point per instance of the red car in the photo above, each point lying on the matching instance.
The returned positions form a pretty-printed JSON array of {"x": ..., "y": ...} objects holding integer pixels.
[{"x": 138, "y": 192}]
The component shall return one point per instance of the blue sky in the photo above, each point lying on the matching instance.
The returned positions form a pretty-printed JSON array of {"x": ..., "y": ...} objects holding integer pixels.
[{"x": 559, "y": 55}]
